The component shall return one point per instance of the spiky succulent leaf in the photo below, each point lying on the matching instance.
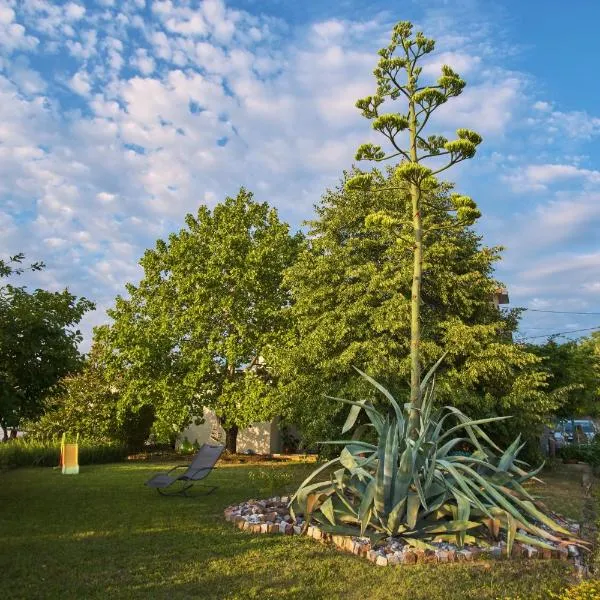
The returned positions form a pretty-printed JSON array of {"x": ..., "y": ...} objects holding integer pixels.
[{"x": 417, "y": 489}]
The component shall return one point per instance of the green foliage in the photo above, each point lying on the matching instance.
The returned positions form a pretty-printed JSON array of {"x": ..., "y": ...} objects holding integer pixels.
[
  {"x": 589, "y": 453},
  {"x": 351, "y": 290},
  {"x": 573, "y": 369},
  {"x": 25, "y": 452},
  {"x": 416, "y": 488},
  {"x": 193, "y": 331},
  {"x": 87, "y": 404},
  {"x": 38, "y": 344},
  {"x": 271, "y": 480}
]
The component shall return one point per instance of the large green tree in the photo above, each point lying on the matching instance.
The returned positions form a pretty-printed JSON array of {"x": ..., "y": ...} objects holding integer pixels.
[
  {"x": 574, "y": 368},
  {"x": 352, "y": 308},
  {"x": 38, "y": 344},
  {"x": 87, "y": 404},
  {"x": 422, "y": 156},
  {"x": 191, "y": 332}
]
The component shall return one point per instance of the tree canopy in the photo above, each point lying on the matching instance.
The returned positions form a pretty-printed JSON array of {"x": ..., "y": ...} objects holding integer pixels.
[
  {"x": 38, "y": 344},
  {"x": 191, "y": 333},
  {"x": 351, "y": 290},
  {"x": 573, "y": 369},
  {"x": 87, "y": 404}
]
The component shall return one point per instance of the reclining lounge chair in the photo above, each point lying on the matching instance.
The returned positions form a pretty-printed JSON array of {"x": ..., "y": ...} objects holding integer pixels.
[{"x": 203, "y": 463}]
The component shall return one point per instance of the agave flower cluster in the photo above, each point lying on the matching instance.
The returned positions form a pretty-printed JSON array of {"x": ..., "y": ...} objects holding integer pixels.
[{"x": 415, "y": 486}]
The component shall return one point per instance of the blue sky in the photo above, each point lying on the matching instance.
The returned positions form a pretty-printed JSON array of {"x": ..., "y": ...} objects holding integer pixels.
[{"x": 117, "y": 117}]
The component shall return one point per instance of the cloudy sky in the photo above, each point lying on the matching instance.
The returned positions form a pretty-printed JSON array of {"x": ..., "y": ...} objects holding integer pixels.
[{"x": 118, "y": 117}]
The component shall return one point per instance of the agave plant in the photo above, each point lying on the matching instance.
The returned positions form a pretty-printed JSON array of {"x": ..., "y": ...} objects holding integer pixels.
[{"x": 416, "y": 488}]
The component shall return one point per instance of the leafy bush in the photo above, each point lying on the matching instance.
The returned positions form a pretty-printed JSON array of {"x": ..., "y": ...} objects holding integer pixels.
[
  {"x": 31, "y": 453},
  {"x": 589, "y": 453},
  {"x": 413, "y": 486},
  {"x": 573, "y": 452}
]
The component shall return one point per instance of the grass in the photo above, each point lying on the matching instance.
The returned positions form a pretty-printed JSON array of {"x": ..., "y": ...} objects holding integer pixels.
[{"x": 102, "y": 534}]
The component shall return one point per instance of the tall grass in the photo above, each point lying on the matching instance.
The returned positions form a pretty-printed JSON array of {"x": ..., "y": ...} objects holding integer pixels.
[{"x": 33, "y": 453}]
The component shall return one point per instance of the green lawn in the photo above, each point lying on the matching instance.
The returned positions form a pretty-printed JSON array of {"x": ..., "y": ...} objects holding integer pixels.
[{"x": 102, "y": 534}]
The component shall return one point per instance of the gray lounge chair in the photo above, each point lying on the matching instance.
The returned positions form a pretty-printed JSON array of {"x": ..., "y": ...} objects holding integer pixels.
[{"x": 198, "y": 469}]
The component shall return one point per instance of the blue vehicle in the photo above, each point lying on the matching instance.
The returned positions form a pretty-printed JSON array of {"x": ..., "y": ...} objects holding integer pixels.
[{"x": 566, "y": 431}]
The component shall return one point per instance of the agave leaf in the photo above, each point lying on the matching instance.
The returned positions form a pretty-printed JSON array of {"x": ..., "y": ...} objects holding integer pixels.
[
  {"x": 533, "y": 541},
  {"x": 367, "y": 499},
  {"x": 451, "y": 527},
  {"x": 540, "y": 516},
  {"x": 419, "y": 488},
  {"x": 374, "y": 416},
  {"x": 511, "y": 531},
  {"x": 395, "y": 516},
  {"x": 415, "y": 543},
  {"x": 471, "y": 424},
  {"x": 507, "y": 459},
  {"x": 403, "y": 476},
  {"x": 379, "y": 476},
  {"x": 526, "y": 476},
  {"x": 432, "y": 371},
  {"x": 351, "y": 510},
  {"x": 353, "y": 415},
  {"x": 354, "y": 443},
  {"x": 449, "y": 446},
  {"x": 312, "y": 476},
  {"x": 501, "y": 500},
  {"x": 384, "y": 391},
  {"x": 359, "y": 431},
  {"x": 338, "y": 477},
  {"x": 460, "y": 480},
  {"x": 347, "y": 459},
  {"x": 366, "y": 518},
  {"x": 412, "y": 509},
  {"x": 390, "y": 467},
  {"x": 463, "y": 513},
  {"x": 327, "y": 510}
]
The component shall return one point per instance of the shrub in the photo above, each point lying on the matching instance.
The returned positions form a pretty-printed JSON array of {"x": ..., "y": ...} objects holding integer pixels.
[
  {"x": 32, "y": 453},
  {"x": 586, "y": 590}
]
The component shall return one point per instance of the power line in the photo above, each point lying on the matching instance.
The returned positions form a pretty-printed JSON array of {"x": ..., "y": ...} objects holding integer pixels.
[
  {"x": 532, "y": 337},
  {"x": 560, "y": 312}
]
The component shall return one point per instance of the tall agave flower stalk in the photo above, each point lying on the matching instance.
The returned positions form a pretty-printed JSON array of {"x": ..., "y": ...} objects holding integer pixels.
[{"x": 418, "y": 489}]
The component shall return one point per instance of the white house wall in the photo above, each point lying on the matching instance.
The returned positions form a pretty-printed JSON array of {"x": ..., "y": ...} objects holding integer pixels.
[{"x": 261, "y": 438}]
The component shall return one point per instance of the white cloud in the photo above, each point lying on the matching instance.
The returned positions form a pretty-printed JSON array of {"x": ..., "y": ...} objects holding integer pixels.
[
  {"x": 218, "y": 98},
  {"x": 329, "y": 29},
  {"x": 542, "y": 106},
  {"x": 538, "y": 177},
  {"x": 461, "y": 62},
  {"x": 554, "y": 125},
  {"x": 80, "y": 83},
  {"x": 13, "y": 35},
  {"x": 487, "y": 107},
  {"x": 74, "y": 12}
]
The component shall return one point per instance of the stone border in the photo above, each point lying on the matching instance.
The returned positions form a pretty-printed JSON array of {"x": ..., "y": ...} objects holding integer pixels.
[{"x": 270, "y": 516}]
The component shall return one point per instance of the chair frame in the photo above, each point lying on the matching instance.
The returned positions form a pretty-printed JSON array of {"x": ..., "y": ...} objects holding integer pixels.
[{"x": 190, "y": 478}]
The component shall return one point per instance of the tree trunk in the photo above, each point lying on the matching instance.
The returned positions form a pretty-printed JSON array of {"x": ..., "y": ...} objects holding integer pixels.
[
  {"x": 231, "y": 434},
  {"x": 13, "y": 433},
  {"x": 4, "y": 432}
]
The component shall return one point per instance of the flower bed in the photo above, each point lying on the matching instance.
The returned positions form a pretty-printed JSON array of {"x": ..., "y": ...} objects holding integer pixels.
[{"x": 272, "y": 516}]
